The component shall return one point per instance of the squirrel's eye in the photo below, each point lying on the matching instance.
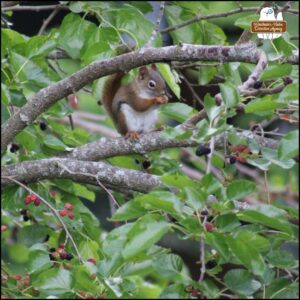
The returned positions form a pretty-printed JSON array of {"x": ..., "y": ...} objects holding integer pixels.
[{"x": 151, "y": 84}]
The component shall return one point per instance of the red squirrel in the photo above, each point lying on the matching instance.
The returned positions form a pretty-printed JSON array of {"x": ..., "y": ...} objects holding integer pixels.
[{"x": 133, "y": 106}]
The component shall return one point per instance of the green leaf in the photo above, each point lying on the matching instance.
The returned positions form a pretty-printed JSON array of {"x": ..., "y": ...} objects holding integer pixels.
[
  {"x": 33, "y": 234},
  {"x": 227, "y": 222},
  {"x": 275, "y": 71},
  {"x": 238, "y": 189},
  {"x": 54, "y": 143},
  {"x": 5, "y": 95},
  {"x": 229, "y": 94},
  {"x": 267, "y": 215},
  {"x": 241, "y": 281},
  {"x": 39, "y": 260},
  {"x": 282, "y": 259},
  {"x": 128, "y": 211},
  {"x": 74, "y": 30},
  {"x": 144, "y": 233},
  {"x": 212, "y": 110},
  {"x": 81, "y": 191},
  {"x": 168, "y": 266},
  {"x": 195, "y": 198},
  {"x": 82, "y": 280},
  {"x": 289, "y": 145},
  {"x": 89, "y": 249},
  {"x": 53, "y": 281},
  {"x": 218, "y": 242},
  {"x": 178, "y": 180},
  {"x": 177, "y": 111},
  {"x": 290, "y": 92},
  {"x": 166, "y": 201},
  {"x": 246, "y": 253},
  {"x": 245, "y": 21},
  {"x": 19, "y": 253},
  {"x": 272, "y": 156},
  {"x": 40, "y": 45},
  {"x": 206, "y": 74},
  {"x": 33, "y": 71},
  {"x": 169, "y": 77},
  {"x": 265, "y": 104}
]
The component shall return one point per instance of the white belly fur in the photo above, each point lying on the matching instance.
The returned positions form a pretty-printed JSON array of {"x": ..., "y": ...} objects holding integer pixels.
[{"x": 139, "y": 121}]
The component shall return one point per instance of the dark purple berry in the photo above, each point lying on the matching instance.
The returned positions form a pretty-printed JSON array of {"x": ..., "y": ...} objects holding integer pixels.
[
  {"x": 232, "y": 159},
  {"x": 14, "y": 148},
  {"x": 23, "y": 211},
  {"x": 204, "y": 212},
  {"x": 146, "y": 164},
  {"x": 25, "y": 218},
  {"x": 257, "y": 84},
  {"x": 69, "y": 256},
  {"x": 287, "y": 80},
  {"x": 202, "y": 150},
  {"x": 43, "y": 126}
]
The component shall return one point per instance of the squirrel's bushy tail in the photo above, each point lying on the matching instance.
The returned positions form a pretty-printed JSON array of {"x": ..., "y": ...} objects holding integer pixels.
[{"x": 110, "y": 88}]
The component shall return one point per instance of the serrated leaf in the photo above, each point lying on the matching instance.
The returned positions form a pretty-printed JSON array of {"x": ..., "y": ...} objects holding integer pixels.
[
  {"x": 229, "y": 94},
  {"x": 128, "y": 211},
  {"x": 265, "y": 104},
  {"x": 53, "y": 281},
  {"x": 177, "y": 111},
  {"x": 238, "y": 189},
  {"x": 241, "y": 281},
  {"x": 144, "y": 233},
  {"x": 289, "y": 145},
  {"x": 275, "y": 71}
]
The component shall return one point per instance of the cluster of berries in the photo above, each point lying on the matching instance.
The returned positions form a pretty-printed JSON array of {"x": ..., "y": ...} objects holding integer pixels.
[
  {"x": 68, "y": 211},
  {"x": 32, "y": 198}
]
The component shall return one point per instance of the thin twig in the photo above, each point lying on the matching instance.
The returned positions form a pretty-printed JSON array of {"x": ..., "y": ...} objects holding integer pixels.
[
  {"x": 158, "y": 20},
  {"x": 218, "y": 15},
  {"x": 192, "y": 90},
  {"x": 34, "y": 8},
  {"x": 89, "y": 175},
  {"x": 53, "y": 209},
  {"x": 48, "y": 20}
]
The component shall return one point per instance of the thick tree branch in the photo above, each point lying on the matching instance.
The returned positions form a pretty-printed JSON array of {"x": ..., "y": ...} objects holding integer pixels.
[
  {"x": 110, "y": 147},
  {"x": 80, "y": 171},
  {"x": 48, "y": 96}
]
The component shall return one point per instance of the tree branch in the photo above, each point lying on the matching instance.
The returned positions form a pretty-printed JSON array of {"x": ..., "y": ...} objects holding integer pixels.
[
  {"x": 34, "y": 8},
  {"x": 80, "y": 171},
  {"x": 48, "y": 96}
]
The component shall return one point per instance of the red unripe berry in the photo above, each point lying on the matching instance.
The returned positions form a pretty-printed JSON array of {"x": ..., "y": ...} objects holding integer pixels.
[
  {"x": 18, "y": 276},
  {"x": 63, "y": 213},
  {"x": 53, "y": 193},
  {"x": 92, "y": 260},
  {"x": 71, "y": 215},
  {"x": 68, "y": 206},
  {"x": 62, "y": 246},
  {"x": 27, "y": 200},
  {"x": 209, "y": 226},
  {"x": 93, "y": 276},
  {"x": 33, "y": 197},
  {"x": 3, "y": 227},
  {"x": 37, "y": 202}
]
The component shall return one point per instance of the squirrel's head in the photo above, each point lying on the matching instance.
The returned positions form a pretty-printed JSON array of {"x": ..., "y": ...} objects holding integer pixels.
[{"x": 150, "y": 83}]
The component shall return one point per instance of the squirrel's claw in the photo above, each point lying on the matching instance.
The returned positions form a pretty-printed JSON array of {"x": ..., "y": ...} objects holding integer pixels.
[
  {"x": 161, "y": 100},
  {"x": 133, "y": 135}
]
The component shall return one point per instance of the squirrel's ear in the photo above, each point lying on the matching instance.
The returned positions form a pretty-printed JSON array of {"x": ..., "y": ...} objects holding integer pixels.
[
  {"x": 153, "y": 66},
  {"x": 142, "y": 72}
]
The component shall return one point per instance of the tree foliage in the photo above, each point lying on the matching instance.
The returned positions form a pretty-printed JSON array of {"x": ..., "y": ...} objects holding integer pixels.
[{"x": 53, "y": 244}]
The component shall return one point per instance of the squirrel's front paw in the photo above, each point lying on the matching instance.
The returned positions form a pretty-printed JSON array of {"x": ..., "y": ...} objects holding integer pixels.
[
  {"x": 161, "y": 100},
  {"x": 133, "y": 135}
]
